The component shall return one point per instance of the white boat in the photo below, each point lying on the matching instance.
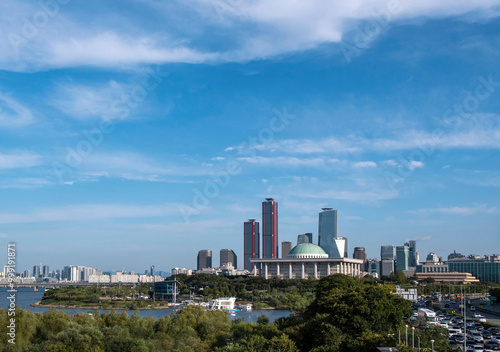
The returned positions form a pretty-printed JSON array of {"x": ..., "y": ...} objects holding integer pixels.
[
  {"x": 245, "y": 307},
  {"x": 223, "y": 303}
]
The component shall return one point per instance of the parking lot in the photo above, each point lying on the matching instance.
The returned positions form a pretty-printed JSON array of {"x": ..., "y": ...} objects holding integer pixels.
[{"x": 480, "y": 337}]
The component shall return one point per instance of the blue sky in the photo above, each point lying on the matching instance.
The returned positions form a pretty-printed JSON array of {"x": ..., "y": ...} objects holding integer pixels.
[{"x": 139, "y": 132}]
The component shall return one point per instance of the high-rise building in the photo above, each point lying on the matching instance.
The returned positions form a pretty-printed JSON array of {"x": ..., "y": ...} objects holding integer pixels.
[
  {"x": 27, "y": 273},
  {"x": 388, "y": 252},
  {"x": 270, "y": 244},
  {"x": 152, "y": 270},
  {"x": 402, "y": 257},
  {"x": 373, "y": 267},
  {"x": 386, "y": 267},
  {"x": 85, "y": 272},
  {"x": 413, "y": 261},
  {"x": 327, "y": 225},
  {"x": 286, "y": 247},
  {"x": 251, "y": 243},
  {"x": 71, "y": 273},
  {"x": 45, "y": 271},
  {"x": 227, "y": 256},
  {"x": 305, "y": 238},
  {"x": 36, "y": 271},
  {"x": 328, "y": 239},
  {"x": 360, "y": 253},
  {"x": 204, "y": 259}
]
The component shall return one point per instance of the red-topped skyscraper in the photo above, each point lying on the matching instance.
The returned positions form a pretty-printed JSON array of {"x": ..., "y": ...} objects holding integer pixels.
[
  {"x": 251, "y": 243},
  {"x": 270, "y": 242}
]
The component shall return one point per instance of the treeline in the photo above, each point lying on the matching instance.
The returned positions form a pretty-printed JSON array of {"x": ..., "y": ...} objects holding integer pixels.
[
  {"x": 242, "y": 287},
  {"x": 346, "y": 315},
  {"x": 295, "y": 294}
]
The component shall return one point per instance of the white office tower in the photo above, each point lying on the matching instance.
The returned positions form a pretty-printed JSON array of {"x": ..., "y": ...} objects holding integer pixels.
[{"x": 334, "y": 246}]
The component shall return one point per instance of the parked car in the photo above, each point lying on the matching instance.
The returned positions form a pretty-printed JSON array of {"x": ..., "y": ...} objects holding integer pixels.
[
  {"x": 477, "y": 348},
  {"x": 486, "y": 334},
  {"x": 492, "y": 345},
  {"x": 458, "y": 338},
  {"x": 478, "y": 326},
  {"x": 494, "y": 331},
  {"x": 475, "y": 335}
]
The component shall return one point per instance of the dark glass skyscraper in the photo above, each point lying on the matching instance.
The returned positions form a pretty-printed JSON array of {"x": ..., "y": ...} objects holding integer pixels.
[
  {"x": 251, "y": 243},
  {"x": 228, "y": 256},
  {"x": 204, "y": 259},
  {"x": 413, "y": 254},
  {"x": 402, "y": 257},
  {"x": 328, "y": 239},
  {"x": 305, "y": 238},
  {"x": 270, "y": 243}
]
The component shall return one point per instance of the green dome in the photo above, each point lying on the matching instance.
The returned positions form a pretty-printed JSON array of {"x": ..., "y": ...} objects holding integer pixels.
[{"x": 307, "y": 249}]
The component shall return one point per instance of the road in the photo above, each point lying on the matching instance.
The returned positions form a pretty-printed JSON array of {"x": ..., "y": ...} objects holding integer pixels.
[{"x": 492, "y": 319}]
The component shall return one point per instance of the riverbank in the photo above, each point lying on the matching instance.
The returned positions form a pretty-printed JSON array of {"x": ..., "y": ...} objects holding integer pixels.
[
  {"x": 101, "y": 307},
  {"x": 63, "y": 306}
]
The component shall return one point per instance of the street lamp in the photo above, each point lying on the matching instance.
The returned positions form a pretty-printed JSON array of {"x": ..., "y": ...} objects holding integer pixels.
[
  {"x": 413, "y": 337},
  {"x": 432, "y": 345},
  {"x": 406, "y": 335}
]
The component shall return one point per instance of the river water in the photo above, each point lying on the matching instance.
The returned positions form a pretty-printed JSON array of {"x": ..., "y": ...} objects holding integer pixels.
[{"x": 26, "y": 296}]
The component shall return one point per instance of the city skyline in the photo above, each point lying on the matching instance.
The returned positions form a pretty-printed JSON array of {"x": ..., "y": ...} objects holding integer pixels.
[{"x": 156, "y": 129}]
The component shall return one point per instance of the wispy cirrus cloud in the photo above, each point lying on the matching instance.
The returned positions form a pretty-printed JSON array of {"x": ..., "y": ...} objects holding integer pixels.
[
  {"x": 482, "y": 136},
  {"x": 110, "y": 49},
  {"x": 244, "y": 30},
  {"x": 19, "y": 159},
  {"x": 86, "y": 212},
  {"x": 285, "y": 161},
  {"x": 13, "y": 113},
  {"x": 88, "y": 101},
  {"x": 25, "y": 183},
  {"x": 478, "y": 209},
  {"x": 362, "y": 164},
  {"x": 135, "y": 167}
]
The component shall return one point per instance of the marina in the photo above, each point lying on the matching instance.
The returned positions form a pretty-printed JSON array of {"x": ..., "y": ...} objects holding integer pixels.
[{"x": 26, "y": 296}]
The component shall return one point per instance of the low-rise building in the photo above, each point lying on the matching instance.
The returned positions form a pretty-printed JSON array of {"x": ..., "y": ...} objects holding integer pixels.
[
  {"x": 410, "y": 295},
  {"x": 307, "y": 260}
]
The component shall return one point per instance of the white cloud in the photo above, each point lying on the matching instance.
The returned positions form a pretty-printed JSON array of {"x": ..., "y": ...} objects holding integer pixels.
[
  {"x": 479, "y": 209},
  {"x": 416, "y": 165},
  {"x": 13, "y": 114},
  {"x": 133, "y": 166},
  {"x": 85, "y": 101},
  {"x": 247, "y": 30},
  {"x": 21, "y": 159},
  {"x": 110, "y": 49},
  {"x": 478, "y": 136},
  {"x": 355, "y": 196},
  {"x": 25, "y": 183},
  {"x": 365, "y": 164},
  {"x": 284, "y": 161},
  {"x": 86, "y": 212}
]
